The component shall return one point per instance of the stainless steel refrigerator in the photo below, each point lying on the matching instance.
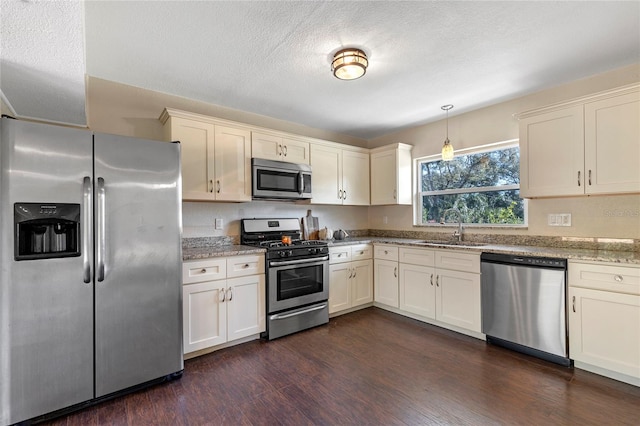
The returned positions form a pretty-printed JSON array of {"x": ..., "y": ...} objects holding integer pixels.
[{"x": 90, "y": 266}]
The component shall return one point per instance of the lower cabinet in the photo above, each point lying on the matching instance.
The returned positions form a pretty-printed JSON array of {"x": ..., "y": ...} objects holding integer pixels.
[
  {"x": 385, "y": 275},
  {"x": 223, "y": 300},
  {"x": 604, "y": 319},
  {"x": 445, "y": 295},
  {"x": 439, "y": 286},
  {"x": 350, "y": 280}
]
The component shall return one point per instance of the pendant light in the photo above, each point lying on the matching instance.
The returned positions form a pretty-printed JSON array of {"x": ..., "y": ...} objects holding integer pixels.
[
  {"x": 349, "y": 64},
  {"x": 447, "y": 148}
]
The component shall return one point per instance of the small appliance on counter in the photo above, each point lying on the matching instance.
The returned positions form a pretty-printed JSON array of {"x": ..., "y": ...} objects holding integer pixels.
[{"x": 297, "y": 273}]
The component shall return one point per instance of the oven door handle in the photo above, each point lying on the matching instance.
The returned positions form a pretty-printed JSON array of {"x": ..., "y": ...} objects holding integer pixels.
[
  {"x": 293, "y": 314},
  {"x": 299, "y": 261}
]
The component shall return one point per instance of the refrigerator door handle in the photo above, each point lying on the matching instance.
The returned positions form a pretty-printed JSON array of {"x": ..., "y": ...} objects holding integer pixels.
[
  {"x": 100, "y": 225},
  {"x": 87, "y": 228}
]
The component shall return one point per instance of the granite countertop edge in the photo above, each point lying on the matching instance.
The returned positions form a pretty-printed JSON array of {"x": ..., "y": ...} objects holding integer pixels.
[
  {"x": 622, "y": 257},
  {"x": 611, "y": 256}
]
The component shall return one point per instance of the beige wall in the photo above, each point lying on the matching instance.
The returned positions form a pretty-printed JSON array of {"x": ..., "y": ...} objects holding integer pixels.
[
  {"x": 131, "y": 111},
  {"x": 601, "y": 216}
]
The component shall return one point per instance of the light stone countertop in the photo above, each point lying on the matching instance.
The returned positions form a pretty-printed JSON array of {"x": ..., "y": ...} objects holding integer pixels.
[
  {"x": 613, "y": 256},
  {"x": 622, "y": 257}
]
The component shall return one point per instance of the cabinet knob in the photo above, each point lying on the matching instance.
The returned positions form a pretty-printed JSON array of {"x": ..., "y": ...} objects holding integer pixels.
[
  {"x": 203, "y": 270},
  {"x": 246, "y": 265},
  {"x": 618, "y": 278}
]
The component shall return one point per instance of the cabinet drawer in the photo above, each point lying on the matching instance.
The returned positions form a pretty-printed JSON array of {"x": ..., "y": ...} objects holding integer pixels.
[
  {"x": 239, "y": 266},
  {"x": 619, "y": 279},
  {"x": 361, "y": 252},
  {"x": 385, "y": 252},
  {"x": 204, "y": 270},
  {"x": 417, "y": 256},
  {"x": 339, "y": 254},
  {"x": 458, "y": 261}
]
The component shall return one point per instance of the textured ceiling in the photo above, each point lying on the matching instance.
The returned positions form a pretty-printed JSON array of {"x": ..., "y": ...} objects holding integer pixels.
[{"x": 273, "y": 58}]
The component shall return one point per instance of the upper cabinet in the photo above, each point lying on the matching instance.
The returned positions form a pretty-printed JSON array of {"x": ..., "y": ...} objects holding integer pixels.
[
  {"x": 340, "y": 176},
  {"x": 391, "y": 174},
  {"x": 275, "y": 147},
  {"x": 587, "y": 146},
  {"x": 216, "y": 159}
]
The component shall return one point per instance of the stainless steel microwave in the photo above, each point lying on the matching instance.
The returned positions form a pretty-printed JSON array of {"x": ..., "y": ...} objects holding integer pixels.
[{"x": 280, "y": 180}]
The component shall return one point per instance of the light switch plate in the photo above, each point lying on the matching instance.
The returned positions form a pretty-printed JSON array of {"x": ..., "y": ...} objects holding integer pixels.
[{"x": 219, "y": 223}]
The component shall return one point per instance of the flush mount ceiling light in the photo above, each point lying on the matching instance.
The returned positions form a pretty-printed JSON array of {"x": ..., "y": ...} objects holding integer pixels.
[
  {"x": 447, "y": 148},
  {"x": 349, "y": 64}
]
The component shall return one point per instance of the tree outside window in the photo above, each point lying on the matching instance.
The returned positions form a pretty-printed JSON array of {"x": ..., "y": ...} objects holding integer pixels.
[{"x": 483, "y": 186}]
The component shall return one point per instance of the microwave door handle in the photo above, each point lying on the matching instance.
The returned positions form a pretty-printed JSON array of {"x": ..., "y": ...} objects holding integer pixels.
[{"x": 301, "y": 183}]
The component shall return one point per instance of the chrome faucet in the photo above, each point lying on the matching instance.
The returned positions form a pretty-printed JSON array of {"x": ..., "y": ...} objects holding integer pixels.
[{"x": 457, "y": 233}]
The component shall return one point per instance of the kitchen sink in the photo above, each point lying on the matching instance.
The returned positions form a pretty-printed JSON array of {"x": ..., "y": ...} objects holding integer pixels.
[{"x": 450, "y": 243}]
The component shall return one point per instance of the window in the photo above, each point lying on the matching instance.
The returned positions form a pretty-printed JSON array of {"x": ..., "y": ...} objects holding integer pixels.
[{"x": 483, "y": 184}]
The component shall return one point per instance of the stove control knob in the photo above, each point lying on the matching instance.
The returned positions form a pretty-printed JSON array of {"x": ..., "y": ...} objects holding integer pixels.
[
  {"x": 290, "y": 253},
  {"x": 283, "y": 253}
]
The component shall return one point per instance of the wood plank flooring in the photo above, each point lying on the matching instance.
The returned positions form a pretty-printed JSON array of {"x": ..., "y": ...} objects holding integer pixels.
[{"x": 372, "y": 367}]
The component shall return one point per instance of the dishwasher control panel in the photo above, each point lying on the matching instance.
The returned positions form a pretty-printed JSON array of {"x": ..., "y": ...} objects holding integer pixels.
[{"x": 548, "y": 262}]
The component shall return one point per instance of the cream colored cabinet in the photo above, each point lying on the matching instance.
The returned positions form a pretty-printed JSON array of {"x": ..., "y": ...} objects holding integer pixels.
[
  {"x": 223, "y": 300},
  {"x": 604, "y": 319},
  {"x": 386, "y": 275},
  {"x": 442, "y": 285},
  {"x": 216, "y": 159},
  {"x": 351, "y": 277},
  {"x": 339, "y": 176},
  {"x": 587, "y": 146},
  {"x": 279, "y": 148},
  {"x": 391, "y": 181}
]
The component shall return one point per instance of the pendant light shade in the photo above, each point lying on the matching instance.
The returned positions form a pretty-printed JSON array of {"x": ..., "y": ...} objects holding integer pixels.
[
  {"x": 447, "y": 148},
  {"x": 349, "y": 64}
]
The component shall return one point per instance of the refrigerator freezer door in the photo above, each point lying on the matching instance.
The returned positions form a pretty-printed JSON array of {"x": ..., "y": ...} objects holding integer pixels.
[
  {"x": 46, "y": 308},
  {"x": 138, "y": 306}
]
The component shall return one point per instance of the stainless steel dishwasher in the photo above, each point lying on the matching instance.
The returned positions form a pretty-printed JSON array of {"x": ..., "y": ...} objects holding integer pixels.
[{"x": 524, "y": 304}]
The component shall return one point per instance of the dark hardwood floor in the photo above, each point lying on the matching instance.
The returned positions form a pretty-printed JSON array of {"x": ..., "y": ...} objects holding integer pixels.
[{"x": 372, "y": 367}]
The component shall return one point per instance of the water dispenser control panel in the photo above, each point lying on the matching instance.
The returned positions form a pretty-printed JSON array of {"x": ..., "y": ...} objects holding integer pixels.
[{"x": 46, "y": 230}]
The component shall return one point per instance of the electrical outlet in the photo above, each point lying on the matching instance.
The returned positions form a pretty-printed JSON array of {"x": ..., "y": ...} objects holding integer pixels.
[
  {"x": 559, "y": 219},
  {"x": 385, "y": 219},
  {"x": 219, "y": 223}
]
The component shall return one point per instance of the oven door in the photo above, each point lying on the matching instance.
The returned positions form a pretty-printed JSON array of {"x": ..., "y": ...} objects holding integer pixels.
[{"x": 295, "y": 283}]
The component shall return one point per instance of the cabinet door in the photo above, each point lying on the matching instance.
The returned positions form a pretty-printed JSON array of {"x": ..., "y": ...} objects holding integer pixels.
[
  {"x": 552, "y": 153},
  {"x": 197, "y": 147},
  {"x": 245, "y": 299},
  {"x": 204, "y": 314},
  {"x": 339, "y": 287},
  {"x": 458, "y": 299},
  {"x": 362, "y": 282},
  {"x": 604, "y": 330},
  {"x": 355, "y": 178},
  {"x": 232, "y": 164},
  {"x": 385, "y": 278},
  {"x": 295, "y": 151},
  {"x": 612, "y": 145},
  {"x": 384, "y": 188},
  {"x": 326, "y": 163},
  {"x": 417, "y": 290},
  {"x": 266, "y": 146}
]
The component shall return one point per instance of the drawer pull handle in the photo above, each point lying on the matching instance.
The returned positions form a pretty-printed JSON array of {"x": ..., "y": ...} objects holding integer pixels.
[
  {"x": 618, "y": 278},
  {"x": 246, "y": 265},
  {"x": 395, "y": 272},
  {"x": 361, "y": 253},
  {"x": 437, "y": 280},
  {"x": 224, "y": 295},
  {"x": 203, "y": 270},
  {"x": 230, "y": 292},
  {"x": 386, "y": 252},
  {"x": 431, "y": 280},
  {"x": 574, "y": 303}
]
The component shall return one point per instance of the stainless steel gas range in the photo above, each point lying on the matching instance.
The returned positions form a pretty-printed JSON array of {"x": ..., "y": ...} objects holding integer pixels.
[{"x": 297, "y": 274}]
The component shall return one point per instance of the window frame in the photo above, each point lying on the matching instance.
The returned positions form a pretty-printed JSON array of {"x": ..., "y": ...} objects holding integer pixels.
[{"x": 418, "y": 194}]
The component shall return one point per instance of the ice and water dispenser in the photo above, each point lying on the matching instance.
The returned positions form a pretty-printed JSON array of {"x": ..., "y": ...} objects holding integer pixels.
[{"x": 44, "y": 231}]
